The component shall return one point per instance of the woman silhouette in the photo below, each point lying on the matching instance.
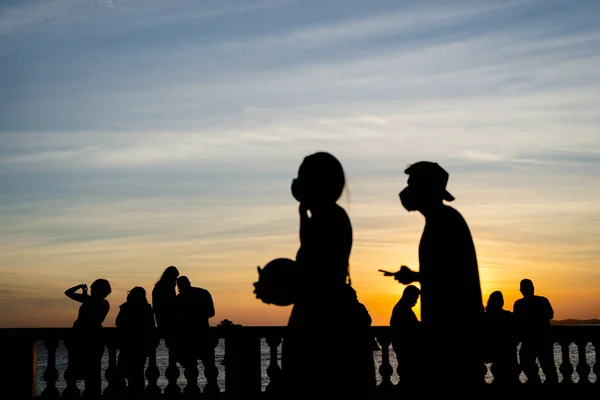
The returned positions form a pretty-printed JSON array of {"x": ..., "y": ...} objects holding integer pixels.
[
  {"x": 136, "y": 328},
  {"x": 326, "y": 308},
  {"x": 164, "y": 304},
  {"x": 501, "y": 341},
  {"x": 86, "y": 346}
]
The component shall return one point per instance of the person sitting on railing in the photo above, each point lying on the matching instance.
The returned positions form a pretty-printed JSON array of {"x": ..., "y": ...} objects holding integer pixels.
[
  {"x": 137, "y": 339},
  {"x": 406, "y": 337},
  {"x": 500, "y": 341},
  {"x": 86, "y": 346}
]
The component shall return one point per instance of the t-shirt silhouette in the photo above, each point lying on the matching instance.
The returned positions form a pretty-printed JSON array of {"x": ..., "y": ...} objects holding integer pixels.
[
  {"x": 449, "y": 274},
  {"x": 195, "y": 307},
  {"x": 533, "y": 314},
  {"x": 92, "y": 312}
]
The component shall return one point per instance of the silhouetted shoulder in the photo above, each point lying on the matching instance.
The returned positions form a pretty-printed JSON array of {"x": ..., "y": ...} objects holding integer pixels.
[
  {"x": 517, "y": 304},
  {"x": 452, "y": 215},
  {"x": 201, "y": 292},
  {"x": 335, "y": 218},
  {"x": 342, "y": 214}
]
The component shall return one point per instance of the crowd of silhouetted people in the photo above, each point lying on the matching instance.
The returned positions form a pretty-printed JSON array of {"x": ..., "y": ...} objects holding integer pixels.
[
  {"x": 455, "y": 326},
  {"x": 181, "y": 318},
  {"x": 502, "y": 331}
]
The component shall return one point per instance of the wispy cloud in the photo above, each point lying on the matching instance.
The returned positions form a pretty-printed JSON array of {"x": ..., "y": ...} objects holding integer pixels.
[{"x": 18, "y": 17}]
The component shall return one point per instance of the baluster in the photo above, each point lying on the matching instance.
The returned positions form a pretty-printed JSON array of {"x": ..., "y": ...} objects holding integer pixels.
[
  {"x": 71, "y": 390},
  {"x": 273, "y": 370},
  {"x": 211, "y": 373},
  {"x": 385, "y": 370},
  {"x": 566, "y": 369},
  {"x": 191, "y": 373},
  {"x": 583, "y": 368},
  {"x": 399, "y": 367},
  {"x": 483, "y": 370},
  {"x": 51, "y": 373},
  {"x": 172, "y": 391},
  {"x": 115, "y": 381},
  {"x": 152, "y": 391},
  {"x": 596, "y": 343}
]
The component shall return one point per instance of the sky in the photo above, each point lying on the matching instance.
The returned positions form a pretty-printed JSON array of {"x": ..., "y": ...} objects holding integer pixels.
[{"x": 141, "y": 134}]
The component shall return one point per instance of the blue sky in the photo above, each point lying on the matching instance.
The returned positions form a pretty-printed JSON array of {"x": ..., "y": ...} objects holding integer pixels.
[{"x": 139, "y": 134}]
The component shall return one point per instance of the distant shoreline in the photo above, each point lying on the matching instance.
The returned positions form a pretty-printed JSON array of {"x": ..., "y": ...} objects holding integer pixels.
[{"x": 594, "y": 321}]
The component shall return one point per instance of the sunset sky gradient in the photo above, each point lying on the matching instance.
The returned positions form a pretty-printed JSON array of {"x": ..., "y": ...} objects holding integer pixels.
[{"x": 140, "y": 134}]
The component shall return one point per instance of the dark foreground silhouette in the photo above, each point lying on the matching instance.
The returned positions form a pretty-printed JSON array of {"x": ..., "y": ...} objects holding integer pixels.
[
  {"x": 326, "y": 306},
  {"x": 451, "y": 300}
]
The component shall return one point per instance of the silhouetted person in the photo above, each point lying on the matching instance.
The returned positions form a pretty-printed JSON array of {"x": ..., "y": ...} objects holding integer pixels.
[
  {"x": 163, "y": 305},
  {"x": 195, "y": 306},
  {"x": 451, "y": 301},
  {"x": 533, "y": 314},
  {"x": 406, "y": 337},
  {"x": 326, "y": 308},
  {"x": 501, "y": 340},
  {"x": 137, "y": 338},
  {"x": 86, "y": 346}
]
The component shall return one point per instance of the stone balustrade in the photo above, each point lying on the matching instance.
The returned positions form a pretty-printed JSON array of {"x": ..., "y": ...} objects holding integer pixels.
[{"x": 244, "y": 367}]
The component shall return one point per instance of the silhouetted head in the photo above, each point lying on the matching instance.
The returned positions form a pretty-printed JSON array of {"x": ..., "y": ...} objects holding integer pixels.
[
  {"x": 320, "y": 180},
  {"x": 137, "y": 295},
  {"x": 100, "y": 288},
  {"x": 411, "y": 295},
  {"x": 426, "y": 186},
  {"x": 495, "y": 301},
  {"x": 169, "y": 275},
  {"x": 183, "y": 283},
  {"x": 526, "y": 288}
]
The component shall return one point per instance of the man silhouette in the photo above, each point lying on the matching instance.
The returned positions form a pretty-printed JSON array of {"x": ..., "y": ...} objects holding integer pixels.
[
  {"x": 195, "y": 306},
  {"x": 533, "y": 314},
  {"x": 451, "y": 300},
  {"x": 406, "y": 337}
]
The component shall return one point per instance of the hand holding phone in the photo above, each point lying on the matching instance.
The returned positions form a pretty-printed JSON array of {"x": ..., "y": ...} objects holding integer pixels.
[{"x": 405, "y": 275}]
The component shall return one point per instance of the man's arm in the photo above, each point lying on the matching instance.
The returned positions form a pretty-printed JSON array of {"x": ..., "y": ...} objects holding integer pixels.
[
  {"x": 210, "y": 305},
  {"x": 549, "y": 310}
]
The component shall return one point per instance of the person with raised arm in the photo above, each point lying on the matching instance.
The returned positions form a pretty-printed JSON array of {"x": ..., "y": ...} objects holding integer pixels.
[{"x": 86, "y": 344}]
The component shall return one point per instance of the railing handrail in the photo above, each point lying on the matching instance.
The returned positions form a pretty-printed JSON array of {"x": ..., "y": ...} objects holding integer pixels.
[{"x": 574, "y": 332}]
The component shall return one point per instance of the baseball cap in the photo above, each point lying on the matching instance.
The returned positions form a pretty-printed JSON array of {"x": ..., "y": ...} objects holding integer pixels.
[{"x": 429, "y": 174}]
